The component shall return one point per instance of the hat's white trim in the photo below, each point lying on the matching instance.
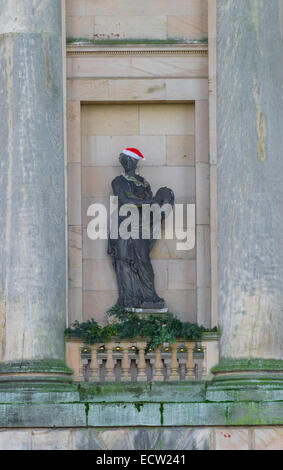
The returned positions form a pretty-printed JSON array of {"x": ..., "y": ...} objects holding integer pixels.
[{"x": 132, "y": 154}]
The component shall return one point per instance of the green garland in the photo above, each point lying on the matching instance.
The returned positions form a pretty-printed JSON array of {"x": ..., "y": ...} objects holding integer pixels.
[{"x": 157, "y": 330}]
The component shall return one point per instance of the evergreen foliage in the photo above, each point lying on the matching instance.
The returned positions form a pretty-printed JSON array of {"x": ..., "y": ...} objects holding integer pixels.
[{"x": 157, "y": 330}]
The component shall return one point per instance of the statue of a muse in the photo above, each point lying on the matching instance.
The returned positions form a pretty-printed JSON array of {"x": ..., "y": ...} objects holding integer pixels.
[{"x": 130, "y": 257}]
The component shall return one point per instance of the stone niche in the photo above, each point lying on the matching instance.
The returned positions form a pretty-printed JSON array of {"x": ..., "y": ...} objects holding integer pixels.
[
  {"x": 165, "y": 134},
  {"x": 153, "y": 97}
]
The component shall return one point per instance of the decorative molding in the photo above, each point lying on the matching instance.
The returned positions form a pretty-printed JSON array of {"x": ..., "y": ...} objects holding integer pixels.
[{"x": 176, "y": 49}]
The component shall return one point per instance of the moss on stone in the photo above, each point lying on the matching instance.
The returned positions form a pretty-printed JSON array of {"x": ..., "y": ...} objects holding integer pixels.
[
  {"x": 117, "y": 42},
  {"x": 138, "y": 406},
  {"x": 234, "y": 365},
  {"x": 161, "y": 409},
  {"x": 41, "y": 365}
]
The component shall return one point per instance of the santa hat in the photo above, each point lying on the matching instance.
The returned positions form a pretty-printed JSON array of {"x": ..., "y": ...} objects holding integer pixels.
[{"x": 134, "y": 153}]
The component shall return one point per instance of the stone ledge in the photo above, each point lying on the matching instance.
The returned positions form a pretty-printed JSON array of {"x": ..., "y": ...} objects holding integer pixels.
[
  {"x": 56, "y": 366},
  {"x": 140, "y": 414},
  {"x": 110, "y": 405},
  {"x": 249, "y": 365}
]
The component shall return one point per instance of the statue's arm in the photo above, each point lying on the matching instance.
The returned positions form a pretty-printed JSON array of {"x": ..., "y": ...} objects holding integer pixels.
[{"x": 120, "y": 190}]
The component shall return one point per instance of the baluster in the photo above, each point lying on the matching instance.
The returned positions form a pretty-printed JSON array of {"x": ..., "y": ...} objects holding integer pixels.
[
  {"x": 109, "y": 366},
  {"x": 190, "y": 362},
  {"x": 85, "y": 361},
  {"x": 125, "y": 364},
  {"x": 142, "y": 377},
  {"x": 166, "y": 356},
  {"x": 94, "y": 367},
  {"x": 198, "y": 356},
  {"x": 174, "y": 364},
  {"x": 158, "y": 369},
  {"x": 182, "y": 354}
]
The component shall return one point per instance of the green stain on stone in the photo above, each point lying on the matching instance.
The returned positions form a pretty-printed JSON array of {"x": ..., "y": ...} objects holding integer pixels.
[
  {"x": 138, "y": 406},
  {"x": 233, "y": 365},
  {"x": 40, "y": 365},
  {"x": 86, "y": 412},
  {"x": 156, "y": 88},
  {"x": 161, "y": 409},
  {"x": 114, "y": 42}
]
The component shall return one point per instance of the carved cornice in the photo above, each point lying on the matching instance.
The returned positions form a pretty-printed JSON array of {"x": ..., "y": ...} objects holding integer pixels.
[{"x": 146, "y": 50}]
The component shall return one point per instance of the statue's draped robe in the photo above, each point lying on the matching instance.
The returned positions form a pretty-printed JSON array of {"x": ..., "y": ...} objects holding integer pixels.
[{"x": 130, "y": 257}]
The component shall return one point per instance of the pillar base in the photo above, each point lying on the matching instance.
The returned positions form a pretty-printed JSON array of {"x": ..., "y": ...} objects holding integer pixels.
[
  {"x": 248, "y": 367},
  {"x": 37, "y": 371},
  {"x": 247, "y": 380}
]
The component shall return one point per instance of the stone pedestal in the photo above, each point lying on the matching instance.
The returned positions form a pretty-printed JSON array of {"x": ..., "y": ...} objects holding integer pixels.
[
  {"x": 32, "y": 194},
  {"x": 146, "y": 312},
  {"x": 250, "y": 189}
]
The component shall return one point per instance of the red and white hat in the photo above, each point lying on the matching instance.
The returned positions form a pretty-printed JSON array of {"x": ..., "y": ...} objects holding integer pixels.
[{"x": 134, "y": 153}]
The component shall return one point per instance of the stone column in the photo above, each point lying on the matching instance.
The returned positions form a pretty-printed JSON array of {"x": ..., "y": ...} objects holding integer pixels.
[
  {"x": 250, "y": 184},
  {"x": 32, "y": 194}
]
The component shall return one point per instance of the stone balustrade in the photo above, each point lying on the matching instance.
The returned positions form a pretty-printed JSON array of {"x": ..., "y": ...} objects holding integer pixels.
[{"x": 133, "y": 361}]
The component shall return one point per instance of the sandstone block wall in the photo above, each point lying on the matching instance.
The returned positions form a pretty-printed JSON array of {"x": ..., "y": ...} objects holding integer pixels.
[{"x": 136, "y": 19}]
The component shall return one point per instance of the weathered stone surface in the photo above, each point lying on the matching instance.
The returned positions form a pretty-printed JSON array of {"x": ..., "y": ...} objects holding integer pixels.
[
  {"x": 96, "y": 181},
  {"x": 105, "y": 150},
  {"x": 153, "y": 89},
  {"x": 75, "y": 256},
  {"x": 203, "y": 255},
  {"x": 99, "y": 275},
  {"x": 252, "y": 413},
  {"x": 29, "y": 16},
  {"x": 187, "y": 27},
  {"x": 156, "y": 438},
  {"x": 268, "y": 438},
  {"x": 181, "y": 180},
  {"x": 146, "y": 7},
  {"x": 130, "y": 27},
  {"x": 15, "y": 440},
  {"x": 124, "y": 414},
  {"x": 156, "y": 392},
  {"x": 250, "y": 168},
  {"x": 202, "y": 193},
  {"x": 181, "y": 274},
  {"x": 180, "y": 150},
  {"x": 204, "y": 306},
  {"x": 173, "y": 119},
  {"x": 42, "y": 415},
  {"x": 96, "y": 304},
  {"x": 87, "y": 439},
  {"x": 184, "y": 89},
  {"x": 161, "y": 273},
  {"x": 80, "y": 27},
  {"x": 231, "y": 439},
  {"x": 74, "y": 131},
  {"x": 202, "y": 130},
  {"x": 239, "y": 390},
  {"x": 120, "y": 19},
  {"x": 184, "y": 414},
  {"x": 74, "y": 193},
  {"x": 166, "y": 249},
  {"x": 138, "y": 67},
  {"x": 32, "y": 194},
  {"x": 182, "y": 303},
  {"x": 75, "y": 305},
  {"x": 49, "y": 439}
]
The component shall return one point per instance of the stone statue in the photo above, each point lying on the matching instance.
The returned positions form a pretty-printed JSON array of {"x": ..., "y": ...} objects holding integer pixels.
[{"x": 130, "y": 257}]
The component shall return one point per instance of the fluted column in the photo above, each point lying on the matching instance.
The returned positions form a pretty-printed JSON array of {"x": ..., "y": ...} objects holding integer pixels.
[
  {"x": 250, "y": 184},
  {"x": 32, "y": 193}
]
